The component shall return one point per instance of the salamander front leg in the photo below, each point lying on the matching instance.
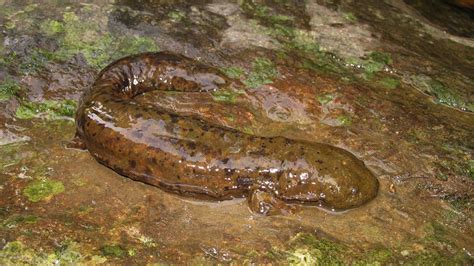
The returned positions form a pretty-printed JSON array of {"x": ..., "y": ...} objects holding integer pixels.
[{"x": 265, "y": 203}]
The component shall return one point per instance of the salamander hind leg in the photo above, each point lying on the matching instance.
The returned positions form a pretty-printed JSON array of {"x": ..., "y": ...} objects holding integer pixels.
[{"x": 265, "y": 203}]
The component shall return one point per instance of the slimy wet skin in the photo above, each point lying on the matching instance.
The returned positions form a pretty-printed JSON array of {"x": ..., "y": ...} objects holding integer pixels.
[{"x": 188, "y": 156}]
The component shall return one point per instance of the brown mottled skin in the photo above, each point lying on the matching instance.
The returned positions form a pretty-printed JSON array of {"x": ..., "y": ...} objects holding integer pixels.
[{"x": 188, "y": 156}]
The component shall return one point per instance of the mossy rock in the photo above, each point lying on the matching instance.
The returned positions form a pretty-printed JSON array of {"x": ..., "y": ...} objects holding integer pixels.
[{"x": 43, "y": 189}]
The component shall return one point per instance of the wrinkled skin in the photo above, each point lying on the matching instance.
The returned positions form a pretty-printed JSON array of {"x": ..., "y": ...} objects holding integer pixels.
[{"x": 188, "y": 156}]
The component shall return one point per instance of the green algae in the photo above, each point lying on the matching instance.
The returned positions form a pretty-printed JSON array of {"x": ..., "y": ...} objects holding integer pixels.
[
  {"x": 375, "y": 257},
  {"x": 131, "y": 252},
  {"x": 306, "y": 249},
  {"x": 325, "y": 98},
  {"x": 263, "y": 13},
  {"x": 14, "y": 221},
  {"x": 113, "y": 251},
  {"x": 233, "y": 72},
  {"x": 444, "y": 95},
  {"x": 8, "y": 89},
  {"x": 349, "y": 16},
  {"x": 441, "y": 93},
  {"x": 460, "y": 167},
  {"x": 8, "y": 59},
  {"x": 50, "y": 110},
  {"x": 135, "y": 44},
  {"x": 76, "y": 36},
  {"x": 51, "y": 27},
  {"x": 35, "y": 61},
  {"x": 375, "y": 62},
  {"x": 82, "y": 36},
  {"x": 298, "y": 42},
  {"x": 16, "y": 253},
  {"x": 176, "y": 15},
  {"x": 147, "y": 241},
  {"x": 302, "y": 256},
  {"x": 381, "y": 57},
  {"x": 344, "y": 120},
  {"x": 389, "y": 83},
  {"x": 226, "y": 96},
  {"x": 43, "y": 189},
  {"x": 263, "y": 72}
]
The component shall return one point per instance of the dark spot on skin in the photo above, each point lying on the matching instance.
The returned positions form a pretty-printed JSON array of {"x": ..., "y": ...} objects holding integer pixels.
[
  {"x": 319, "y": 161},
  {"x": 153, "y": 160},
  {"x": 244, "y": 181},
  {"x": 132, "y": 163},
  {"x": 174, "y": 119},
  {"x": 192, "y": 145}
]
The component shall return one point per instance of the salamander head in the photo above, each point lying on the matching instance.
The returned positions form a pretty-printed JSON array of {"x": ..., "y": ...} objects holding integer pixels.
[{"x": 331, "y": 191}]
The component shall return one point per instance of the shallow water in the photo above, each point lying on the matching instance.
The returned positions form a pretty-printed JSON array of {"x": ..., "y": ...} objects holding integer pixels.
[{"x": 387, "y": 81}]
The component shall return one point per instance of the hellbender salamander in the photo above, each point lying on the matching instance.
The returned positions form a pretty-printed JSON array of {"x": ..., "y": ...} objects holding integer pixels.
[{"x": 189, "y": 156}]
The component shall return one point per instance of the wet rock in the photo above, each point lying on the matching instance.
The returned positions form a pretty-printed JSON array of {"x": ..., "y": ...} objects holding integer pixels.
[
  {"x": 336, "y": 34},
  {"x": 8, "y": 137}
]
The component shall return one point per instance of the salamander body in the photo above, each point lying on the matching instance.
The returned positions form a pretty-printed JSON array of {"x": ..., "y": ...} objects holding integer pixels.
[{"x": 189, "y": 156}]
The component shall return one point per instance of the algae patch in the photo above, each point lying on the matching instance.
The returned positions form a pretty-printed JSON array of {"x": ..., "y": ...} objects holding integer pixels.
[
  {"x": 375, "y": 62},
  {"x": 263, "y": 72},
  {"x": 344, "y": 120},
  {"x": 43, "y": 189},
  {"x": 113, "y": 251},
  {"x": 233, "y": 72},
  {"x": 8, "y": 88},
  {"x": 77, "y": 36},
  {"x": 50, "y": 110},
  {"x": 226, "y": 96},
  {"x": 325, "y": 98},
  {"x": 13, "y": 222},
  {"x": 306, "y": 249},
  {"x": 16, "y": 253},
  {"x": 389, "y": 83},
  {"x": 441, "y": 93},
  {"x": 176, "y": 15}
]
